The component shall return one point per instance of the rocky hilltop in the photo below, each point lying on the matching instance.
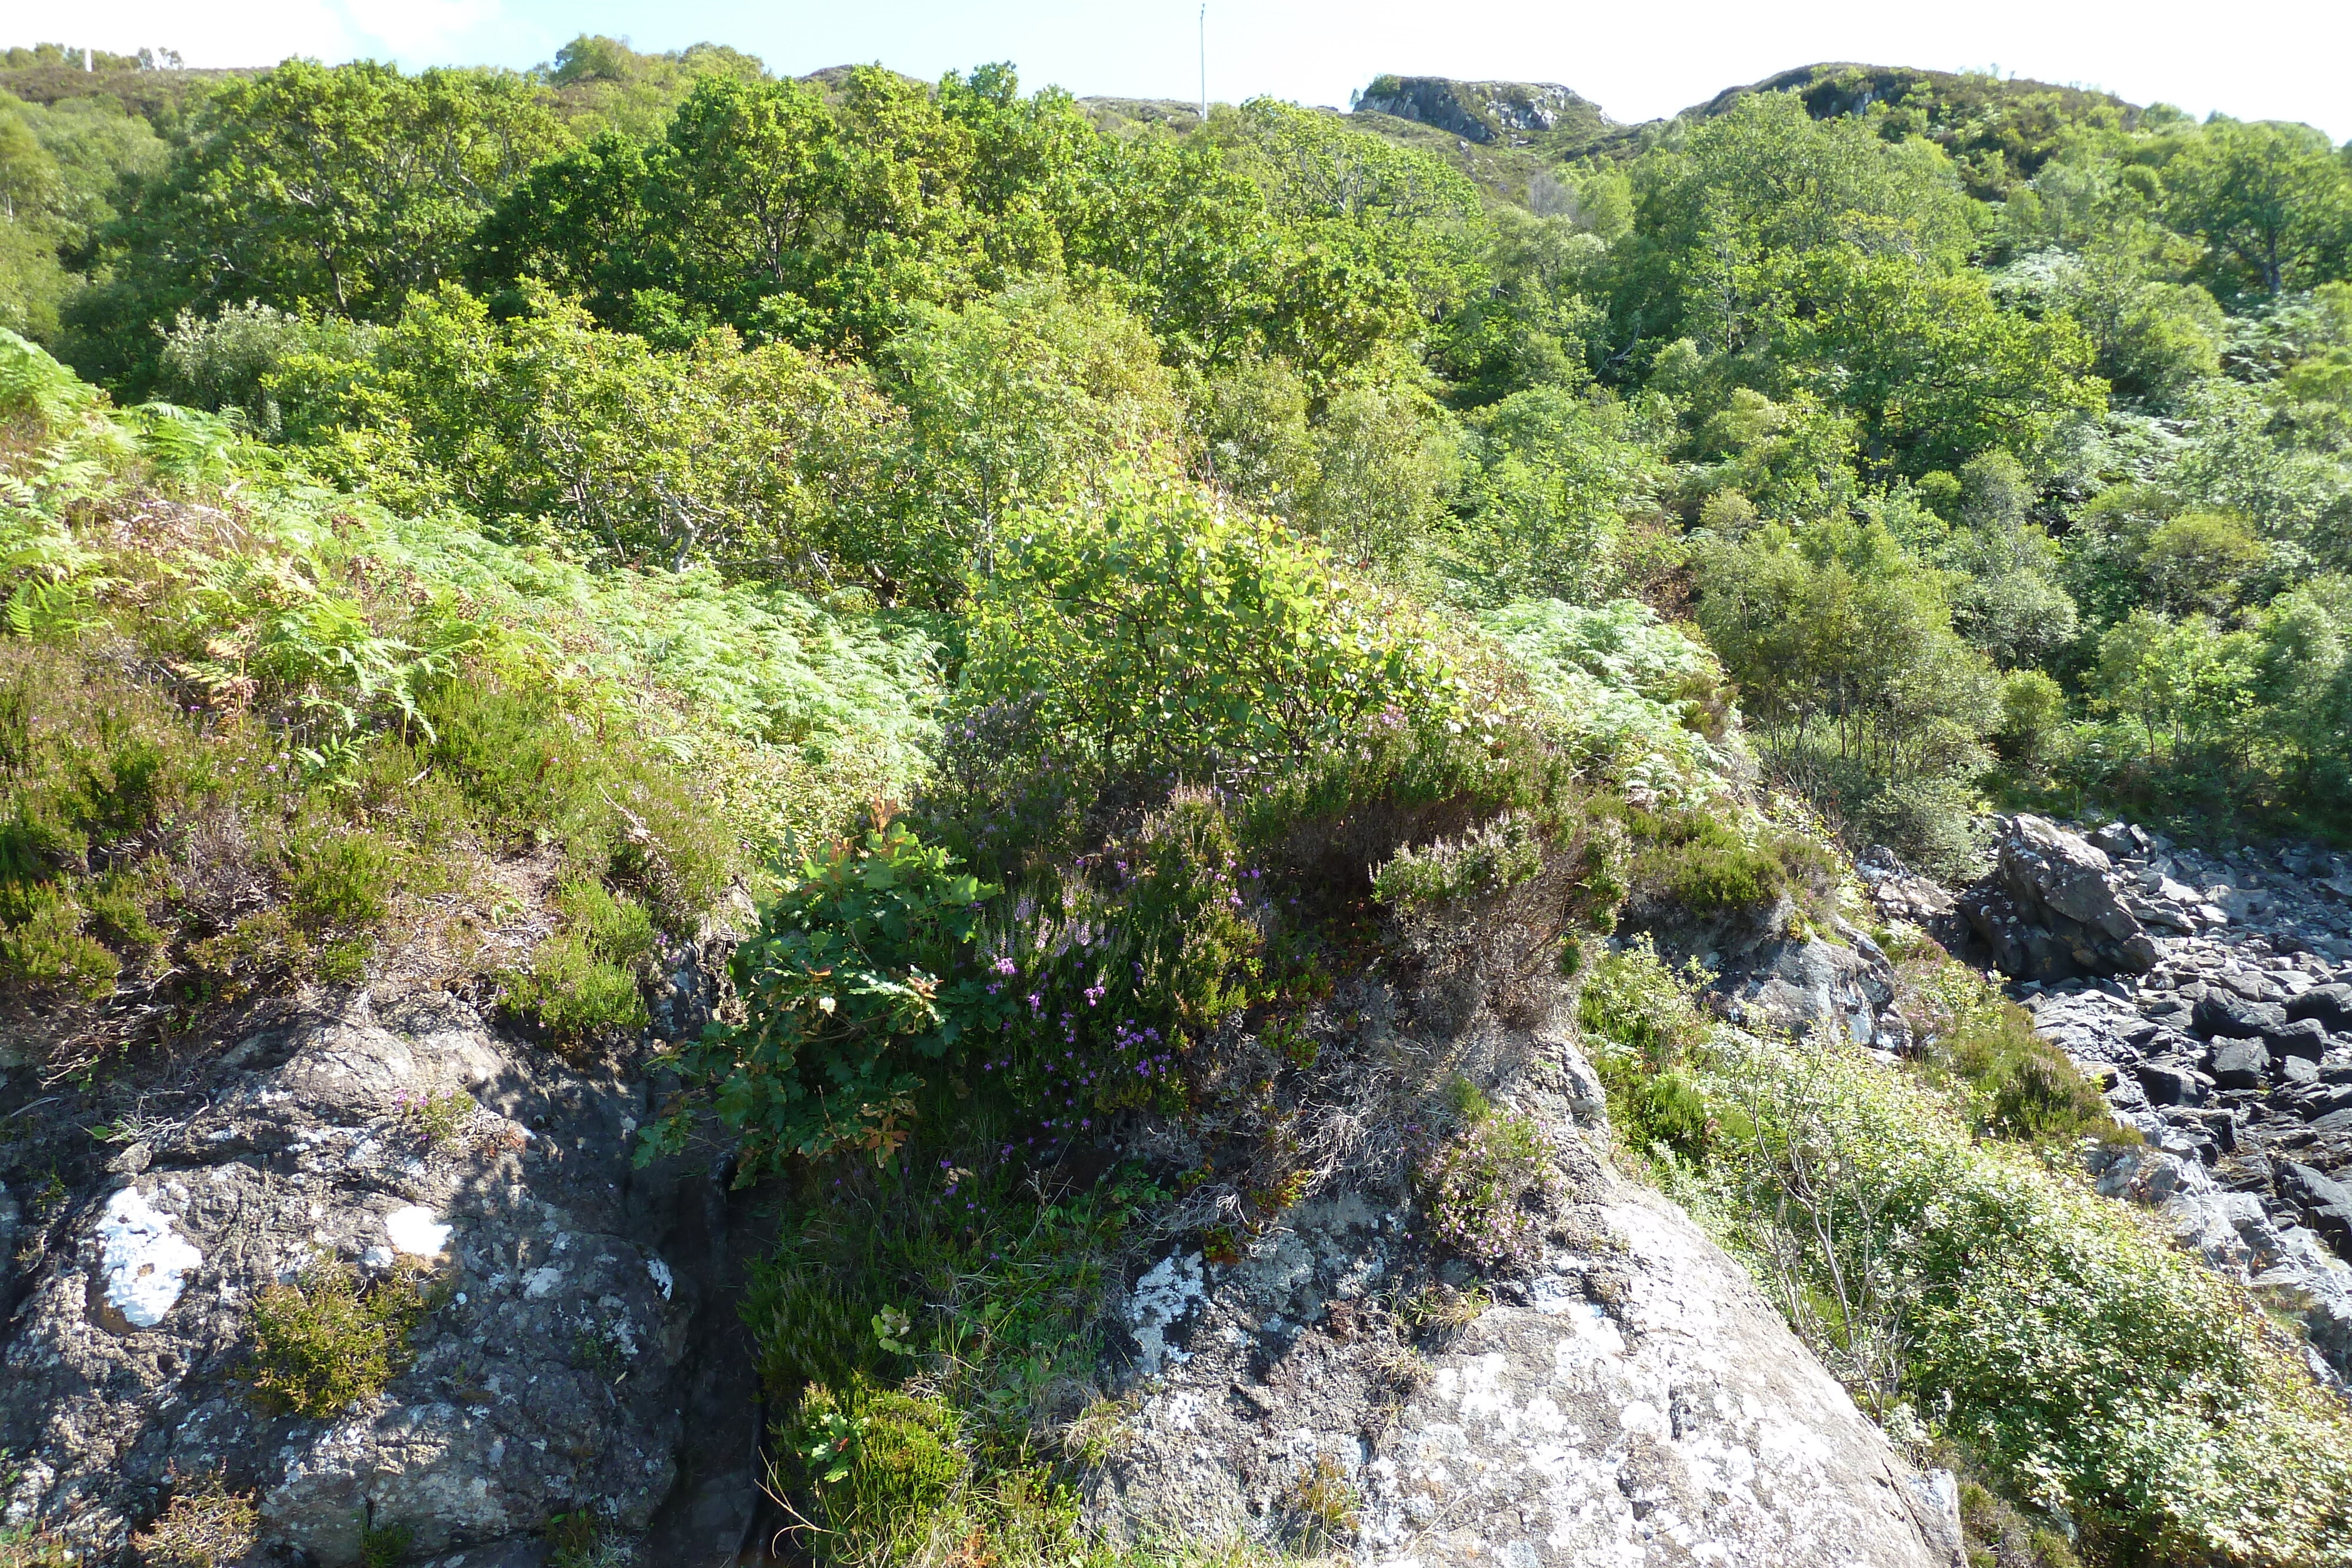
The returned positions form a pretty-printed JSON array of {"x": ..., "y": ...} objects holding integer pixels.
[{"x": 1516, "y": 113}]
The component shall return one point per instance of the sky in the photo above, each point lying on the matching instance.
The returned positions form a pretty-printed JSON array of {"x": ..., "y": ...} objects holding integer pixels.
[{"x": 1637, "y": 62}]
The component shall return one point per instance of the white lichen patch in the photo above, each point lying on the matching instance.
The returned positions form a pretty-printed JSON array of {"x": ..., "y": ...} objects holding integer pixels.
[
  {"x": 146, "y": 1262},
  {"x": 1168, "y": 1293},
  {"x": 664, "y": 1281},
  {"x": 417, "y": 1232}
]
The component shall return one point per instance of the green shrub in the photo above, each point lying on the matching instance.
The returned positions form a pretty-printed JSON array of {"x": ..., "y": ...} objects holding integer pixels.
[
  {"x": 616, "y": 927},
  {"x": 2061, "y": 1343},
  {"x": 880, "y": 1465},
  {"x": 857, "y": 975},
  {"x": 1163, "y": 631},
  {"x": 2067, "y": 1350},
  {"x": 339, "y": 877},
  {"x": 386, "y": 1546},
  {"x": 2017, "y": 1085},
  {"x": 1324, "y": 1501},
  {"x": 1482, "y": 1188},
  {"x": 534, "y": 775},
  {"x": 1931, "y": 821},
  {"x": 1696, "y": 861},
  {"x": 1639, "y": 1030},
  {"x": 325, "y": 1344},
  {"x": 574, "y": 994},
  {"x": 1497, "y": 855},
  {"x": 30, "y": 1546},
  {"x": 42, "y": 943}
]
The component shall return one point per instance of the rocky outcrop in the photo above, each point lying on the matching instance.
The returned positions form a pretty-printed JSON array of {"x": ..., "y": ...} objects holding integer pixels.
[
  {"x": 2232, "y": 1054},
  {"x": 1510, "y": 112},
  {"x": 390, "y": 1130},
  {"x": 2050, "y": 910},
  {"x": 1628, "y": 1398}
]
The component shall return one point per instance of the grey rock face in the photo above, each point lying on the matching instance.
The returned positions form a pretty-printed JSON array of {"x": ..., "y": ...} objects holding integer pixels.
[
  {"x": 1632, "y": 1399},
  {"x": 1679, "y": 1422},
  {"x": 1801, "y": 986},
  {"x": 542, "y": 1383},
  {"x": 2051, "y": 909},
  {"x": 1482, "y": 111}
]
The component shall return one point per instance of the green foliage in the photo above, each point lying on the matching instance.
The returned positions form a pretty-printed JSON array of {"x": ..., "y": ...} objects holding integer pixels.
[
  {"x": 340, "y": 707},
  {"x": 327, "y": 1342},
  {"x": 1325, "y": 1499},
  {"x": 1639, "y": 1029},
  {"x": 858, "y": 974},
  {"x": 879, "y": 1462},
  {"x": 1841, "y": 642},
  {"x": 574, "y": 994},
  {"x": 1023, "y": 399},
  {"x": 2273, "y": 199},
  {"x": 2017, "y": 1085},
  {"x": 1496, "y": 855},
  {"x": 710, "y": 451},
  {"x": 1987, "y": 1287},
  {"x": 1933, "y": 369},
  {"x": 386, "y": 1546},
  {"x": 1163, "y": 632},
  {"x": 1614, "y": 686},
  {"x": 1694, "y": 861},
  {"x": 1558, "y": 479},
  {"x": 308, "y": 187}
]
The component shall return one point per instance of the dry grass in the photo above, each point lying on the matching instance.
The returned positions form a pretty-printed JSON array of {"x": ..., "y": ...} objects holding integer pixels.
[{"x": 206, "y": 1527}]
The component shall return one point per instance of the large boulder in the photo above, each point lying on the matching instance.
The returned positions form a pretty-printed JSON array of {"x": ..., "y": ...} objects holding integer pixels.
[
  {"x": 1801, "y": 986},
  {"x": 1629, "y": 1397},
  {"x": 2052, "y": 910},
  {"x": 2330, "y": 1006},
  {"x": 543, "y": 1381}
]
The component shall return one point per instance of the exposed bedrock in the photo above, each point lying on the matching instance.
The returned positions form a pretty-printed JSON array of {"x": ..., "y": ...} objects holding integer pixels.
[
  {"x": 1628, "y": 1397},
  {"x": 553, "y": 1373}
]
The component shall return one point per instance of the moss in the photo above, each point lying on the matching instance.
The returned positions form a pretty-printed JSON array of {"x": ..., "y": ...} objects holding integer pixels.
[
  {"x": 880, "y": 1464},
  {"x": 386, "y": 1546}
]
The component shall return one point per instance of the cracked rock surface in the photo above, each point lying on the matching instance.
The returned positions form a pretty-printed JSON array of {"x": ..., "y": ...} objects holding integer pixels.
[
  {"x": 1630, "y": 1399},
  {"x": 545, "y": 1380}
]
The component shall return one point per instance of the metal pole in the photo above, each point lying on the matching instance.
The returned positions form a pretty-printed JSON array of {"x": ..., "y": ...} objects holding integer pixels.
[{"x": 1204, "y": 63}]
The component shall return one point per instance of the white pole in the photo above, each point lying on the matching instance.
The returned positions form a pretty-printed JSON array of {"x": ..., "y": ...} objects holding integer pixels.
[{"x": 1204, "y": 63}]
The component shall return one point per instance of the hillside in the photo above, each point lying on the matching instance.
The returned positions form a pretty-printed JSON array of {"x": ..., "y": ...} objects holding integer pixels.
[
  {"x": 906, "y": 824},
  {"x": 1998, "y": 131}
]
